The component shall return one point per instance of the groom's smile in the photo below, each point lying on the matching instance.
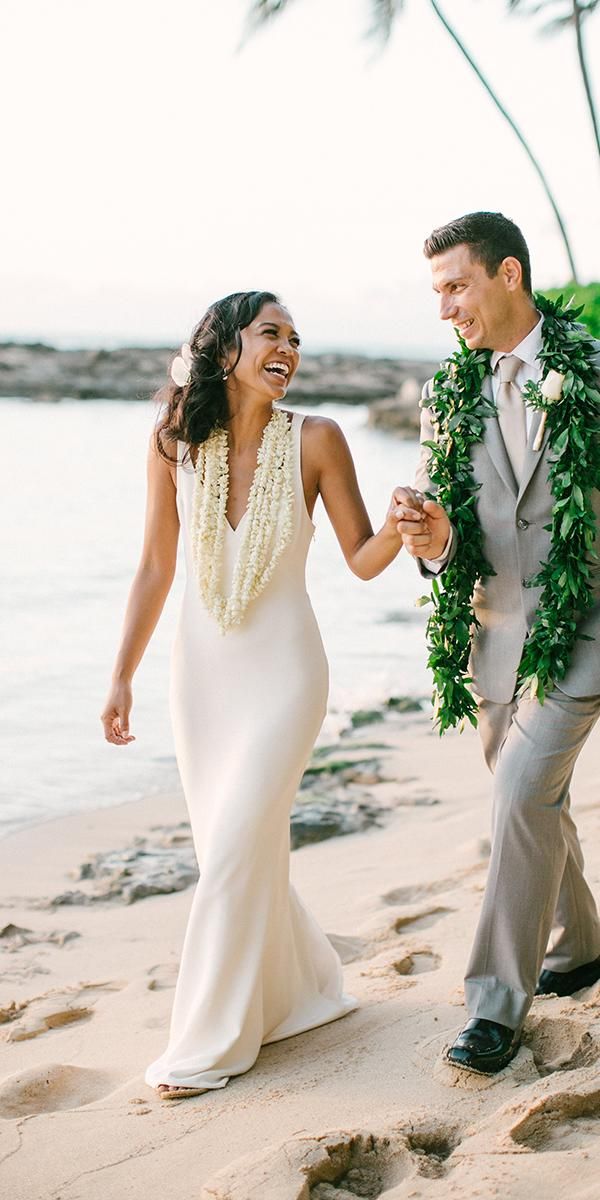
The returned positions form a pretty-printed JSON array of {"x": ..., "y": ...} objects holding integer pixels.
[
  {"x": 463, "y": 326},
  {"x": 480, "y": 306}
]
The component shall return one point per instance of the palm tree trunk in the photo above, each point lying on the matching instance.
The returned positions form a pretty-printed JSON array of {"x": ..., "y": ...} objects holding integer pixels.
[
  {"x": 533, "y": 160},
  {"x": 584, "y": 71}
]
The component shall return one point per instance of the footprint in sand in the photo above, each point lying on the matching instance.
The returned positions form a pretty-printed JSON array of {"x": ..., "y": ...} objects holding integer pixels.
[
  {"x": 417, "y": 962},
  {"x": 341, "y": 1166},
  {"x": 521, "y": 1070},
  {"x": 414, "y": 959},
  {"x": 14, "y": 937},
  {"x": 163, "y": 975},
  {"x": 30, "y": 1018},
  {"x": 563, "y": 1121},
  {"x": 380, "y": 944},
  {"x": 423, "y": 918},
  {"x": 560, "y": 1043},
  {"x": 424, "y": 891},
  {"x": 52, "y": 1087},
  {"x": 429, "y": 1059}
]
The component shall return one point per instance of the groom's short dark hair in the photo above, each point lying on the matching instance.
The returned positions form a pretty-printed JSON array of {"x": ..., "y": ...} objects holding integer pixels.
[{"x": 491, "y": 237}]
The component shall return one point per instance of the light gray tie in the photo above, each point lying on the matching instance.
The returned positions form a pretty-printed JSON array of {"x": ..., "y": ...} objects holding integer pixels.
[{"x": 511, "y": 413}]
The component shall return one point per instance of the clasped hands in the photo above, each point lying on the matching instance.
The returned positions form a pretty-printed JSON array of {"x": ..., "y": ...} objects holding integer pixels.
[{"x": 423, "y": 525}]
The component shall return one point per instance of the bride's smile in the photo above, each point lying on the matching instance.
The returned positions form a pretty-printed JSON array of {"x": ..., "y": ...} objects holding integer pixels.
[{"x": 269, "y": 356}]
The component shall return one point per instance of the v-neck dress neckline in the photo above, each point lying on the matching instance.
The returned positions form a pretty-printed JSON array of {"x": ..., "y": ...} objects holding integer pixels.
[
  {"x": 245, "y": 512},
  {"x": 242, "y": 518}
]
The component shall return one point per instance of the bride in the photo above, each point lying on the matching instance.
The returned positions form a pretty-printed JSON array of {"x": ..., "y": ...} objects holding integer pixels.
[{"x": 249, "y": 681}]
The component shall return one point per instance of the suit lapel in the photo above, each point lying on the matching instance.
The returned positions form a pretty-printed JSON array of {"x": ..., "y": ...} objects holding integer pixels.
[{"x": 532, "y": 457}]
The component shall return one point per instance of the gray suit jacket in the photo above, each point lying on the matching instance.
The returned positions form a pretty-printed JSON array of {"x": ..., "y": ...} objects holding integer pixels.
[{"x": 515, "y": 543}]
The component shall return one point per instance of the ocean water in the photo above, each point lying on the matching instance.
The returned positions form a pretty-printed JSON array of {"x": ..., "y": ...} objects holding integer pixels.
[{"x": 73, "y": 494}]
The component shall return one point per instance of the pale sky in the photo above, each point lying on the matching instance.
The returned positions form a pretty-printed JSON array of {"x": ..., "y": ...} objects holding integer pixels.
[{"x": 150, "y": 167}]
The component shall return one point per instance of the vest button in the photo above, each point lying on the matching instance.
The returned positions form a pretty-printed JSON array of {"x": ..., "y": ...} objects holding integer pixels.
[{"x": 522, "y": 523}]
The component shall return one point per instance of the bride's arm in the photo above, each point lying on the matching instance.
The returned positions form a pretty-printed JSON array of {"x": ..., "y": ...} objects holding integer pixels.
[
  {"x": 149, "y": 591},
  {"x": 333, "y": 477}
]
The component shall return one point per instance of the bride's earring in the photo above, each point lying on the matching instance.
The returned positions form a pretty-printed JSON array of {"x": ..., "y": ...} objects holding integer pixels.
[{"x": 225, "y": 374}]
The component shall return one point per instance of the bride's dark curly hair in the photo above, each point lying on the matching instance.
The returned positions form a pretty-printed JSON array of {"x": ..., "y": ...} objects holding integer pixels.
[{"x": 190, "y": 414}]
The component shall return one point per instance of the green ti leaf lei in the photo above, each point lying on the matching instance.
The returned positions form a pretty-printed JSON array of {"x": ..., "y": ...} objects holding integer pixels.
[{"x": 458, "y": 413}]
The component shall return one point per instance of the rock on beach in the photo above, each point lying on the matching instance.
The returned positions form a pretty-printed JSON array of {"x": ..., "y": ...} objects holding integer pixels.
[{"x": 36, "y": 371}]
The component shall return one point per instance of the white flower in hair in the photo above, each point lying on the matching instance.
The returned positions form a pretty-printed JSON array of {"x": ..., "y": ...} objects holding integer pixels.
[{"x": 181, "y": 367}]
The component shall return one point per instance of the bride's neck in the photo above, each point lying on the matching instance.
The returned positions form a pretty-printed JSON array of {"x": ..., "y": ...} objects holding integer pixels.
[{"x": 246, "y": 425}]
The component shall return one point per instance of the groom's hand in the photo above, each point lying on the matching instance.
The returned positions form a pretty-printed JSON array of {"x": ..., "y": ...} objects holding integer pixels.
[{"x": 423, "y": 524}]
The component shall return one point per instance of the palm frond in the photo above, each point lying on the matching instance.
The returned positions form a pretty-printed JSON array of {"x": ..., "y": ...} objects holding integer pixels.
[
  {"x": 558, "y": 23},
  {"x": 533, "y": 8},
  {"x": 384, "y": 13},
  {"x": 259, "y": 13},
  {"x": 263, "y": 10}
]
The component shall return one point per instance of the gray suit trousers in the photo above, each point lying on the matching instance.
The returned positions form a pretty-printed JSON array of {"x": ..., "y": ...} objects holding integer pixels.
[{"x": 538, "y": 909}]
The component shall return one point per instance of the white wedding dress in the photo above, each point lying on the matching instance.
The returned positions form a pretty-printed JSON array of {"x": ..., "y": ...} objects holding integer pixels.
[{"x": 246, "y": 709}]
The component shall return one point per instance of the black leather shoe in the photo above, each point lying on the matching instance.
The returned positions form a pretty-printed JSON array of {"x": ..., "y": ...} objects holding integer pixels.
[
  {"x": 484, "y": 1047},
  {"x": 566, "y": 983}
]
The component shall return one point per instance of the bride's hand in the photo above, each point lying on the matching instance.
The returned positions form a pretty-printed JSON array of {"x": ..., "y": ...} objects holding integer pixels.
[
  {"x": 115, "y": 717},
  {"x": 424, "y": 524},
  {"x": 406, "y": 505}
]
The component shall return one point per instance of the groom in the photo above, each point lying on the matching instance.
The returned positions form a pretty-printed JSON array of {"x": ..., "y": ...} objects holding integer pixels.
[{"x": 539, "y": 931}]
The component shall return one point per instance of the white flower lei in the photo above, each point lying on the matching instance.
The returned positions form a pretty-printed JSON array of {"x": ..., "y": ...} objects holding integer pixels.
[{"x": 268, "y": 519}]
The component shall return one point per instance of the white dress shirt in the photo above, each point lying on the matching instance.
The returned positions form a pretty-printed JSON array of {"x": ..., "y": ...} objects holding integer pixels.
[{"x": 528, "y": 349}]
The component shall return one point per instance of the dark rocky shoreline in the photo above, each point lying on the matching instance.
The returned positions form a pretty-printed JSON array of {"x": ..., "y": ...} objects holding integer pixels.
[{"x": 35, "y": 371}]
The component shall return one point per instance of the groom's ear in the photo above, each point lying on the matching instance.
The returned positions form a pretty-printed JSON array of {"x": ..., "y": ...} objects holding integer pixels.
[{"x": 512, "y": 273}]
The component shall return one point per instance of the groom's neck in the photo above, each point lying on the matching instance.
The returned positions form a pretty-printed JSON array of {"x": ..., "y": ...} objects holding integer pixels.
[{"x": 521, "y": 320}]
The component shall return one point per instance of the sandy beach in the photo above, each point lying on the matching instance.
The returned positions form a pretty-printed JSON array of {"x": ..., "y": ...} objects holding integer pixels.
[{"x": 365, "y": 1106}]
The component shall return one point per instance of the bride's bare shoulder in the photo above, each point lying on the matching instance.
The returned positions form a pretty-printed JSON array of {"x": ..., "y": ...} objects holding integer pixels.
[
  {"x": 164, "y": 455},
  {"x": 322, "y": 435}
]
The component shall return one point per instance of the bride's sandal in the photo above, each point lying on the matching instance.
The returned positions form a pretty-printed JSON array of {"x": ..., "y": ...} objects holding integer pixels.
[{"x": 166, "y": 1092}]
